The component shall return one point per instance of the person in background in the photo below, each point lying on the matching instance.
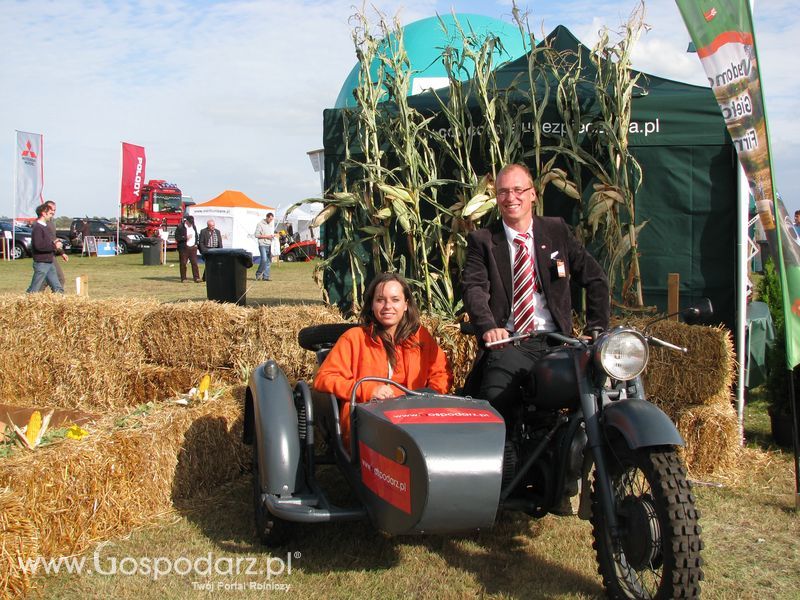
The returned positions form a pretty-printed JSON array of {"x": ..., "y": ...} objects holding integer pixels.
[
  {"x": 389, "y": 343},
  {"x": 86, "y": 229},
  {"x": 44, "y": 246},
  {"x": 51, "y": 225},
  {"x": 210, "y": 238},
  {"x": 265, "y": 231},
  {"x": 797, "y": 224},
  {"x": 186, "y": 236}
]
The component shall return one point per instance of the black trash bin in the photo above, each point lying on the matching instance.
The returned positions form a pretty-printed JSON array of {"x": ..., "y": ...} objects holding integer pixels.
[
  {"x": 226, "y": 274},
  {"x": 151, "y": 252}
]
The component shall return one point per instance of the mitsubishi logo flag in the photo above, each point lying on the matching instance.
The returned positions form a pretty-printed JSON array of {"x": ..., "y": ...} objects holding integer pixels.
[
  {"x": 28, "y": 174},
  {"x": 722, "y": 32},
  {"x": 133, "y": 162}
]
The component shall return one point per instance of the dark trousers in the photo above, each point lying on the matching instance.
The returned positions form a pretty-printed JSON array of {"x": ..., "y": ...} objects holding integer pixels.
[
  {"x": 188, "y": 254},
  {"x": 507, "y": 370}
]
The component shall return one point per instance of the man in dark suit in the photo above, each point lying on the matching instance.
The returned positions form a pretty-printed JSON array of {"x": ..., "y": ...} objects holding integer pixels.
[
  {"x": 554, "y": 259},
  {"x": 209, "y": 238}
]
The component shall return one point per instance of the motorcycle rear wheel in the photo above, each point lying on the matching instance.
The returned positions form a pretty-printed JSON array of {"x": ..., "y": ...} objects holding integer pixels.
[{"x": 657, "y": 551}]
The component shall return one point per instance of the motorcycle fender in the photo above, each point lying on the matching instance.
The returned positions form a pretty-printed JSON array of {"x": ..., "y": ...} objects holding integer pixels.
[
  {"x": 274, "y": 422},
  {"x": 641, "y": 424}
]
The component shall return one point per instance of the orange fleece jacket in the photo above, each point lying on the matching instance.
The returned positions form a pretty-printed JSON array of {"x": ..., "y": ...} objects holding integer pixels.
[{"x": 420, "y": 363}]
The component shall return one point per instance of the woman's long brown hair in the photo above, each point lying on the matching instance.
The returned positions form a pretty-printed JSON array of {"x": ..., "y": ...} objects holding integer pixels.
[{"x": 407, "y": 326}]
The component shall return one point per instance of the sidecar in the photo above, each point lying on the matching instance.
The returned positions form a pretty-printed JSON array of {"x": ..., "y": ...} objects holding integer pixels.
[{"x": 421, "y": 463}]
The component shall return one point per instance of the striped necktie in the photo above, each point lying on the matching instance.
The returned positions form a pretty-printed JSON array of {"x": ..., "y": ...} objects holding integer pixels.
[{"x": 524, "y": 286}]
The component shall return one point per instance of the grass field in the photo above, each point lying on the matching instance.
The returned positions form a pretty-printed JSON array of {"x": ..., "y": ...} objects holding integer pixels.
[
  {"x": 126, "y": 275},
  {"x": 751, "y": 529}
]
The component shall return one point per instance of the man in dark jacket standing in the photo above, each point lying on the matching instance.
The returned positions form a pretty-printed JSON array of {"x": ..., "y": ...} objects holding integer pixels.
[
  {"x": 186, "y": 236},
  {"x": 516, "y": 279},
  {"x": 210, "y": 238},
  {"x": 44, "y": 246}
]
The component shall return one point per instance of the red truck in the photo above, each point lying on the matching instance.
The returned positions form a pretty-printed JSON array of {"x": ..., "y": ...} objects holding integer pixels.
[{"x": 160, "y": 203}]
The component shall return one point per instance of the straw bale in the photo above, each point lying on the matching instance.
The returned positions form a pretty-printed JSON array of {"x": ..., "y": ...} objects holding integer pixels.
[
  {"x": 272, "y": 334},
  {"x": 68, "y": 351},
  {"x": 19, "y": 542},
  {"x": 704, "y": 375},
  {"x": 127, "y": 472},
  {"x": 711, "y": 433},
  {"x": 459, "y": 348},
  {"x": 196, "y": 334}
]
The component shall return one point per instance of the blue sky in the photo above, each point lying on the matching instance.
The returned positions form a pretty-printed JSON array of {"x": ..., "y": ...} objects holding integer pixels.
[{"x": 229, "y": 95}]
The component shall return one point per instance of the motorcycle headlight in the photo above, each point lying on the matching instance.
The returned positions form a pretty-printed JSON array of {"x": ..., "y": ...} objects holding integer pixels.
[{"x": 622, "y": 353}]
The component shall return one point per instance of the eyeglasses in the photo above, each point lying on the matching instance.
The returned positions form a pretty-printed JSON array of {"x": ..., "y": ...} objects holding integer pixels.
[{"x": 505, "y": 192}]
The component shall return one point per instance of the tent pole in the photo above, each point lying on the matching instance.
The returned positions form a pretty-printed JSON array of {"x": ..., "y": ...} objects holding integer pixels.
[{"x": 742, "y": 252}]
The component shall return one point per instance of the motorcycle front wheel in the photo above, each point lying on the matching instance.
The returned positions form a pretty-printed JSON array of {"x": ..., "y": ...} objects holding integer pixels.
[{"x": 656, "y": 550}]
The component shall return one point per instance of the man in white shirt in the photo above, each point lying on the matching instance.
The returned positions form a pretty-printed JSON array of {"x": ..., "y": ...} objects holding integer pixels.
[
  {"x": 265, "y": 231},
  {"x": 186, "y": 236}
]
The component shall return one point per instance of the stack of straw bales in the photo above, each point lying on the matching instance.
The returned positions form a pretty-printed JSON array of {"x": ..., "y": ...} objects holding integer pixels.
[
  {"x": 694, "y": 389},
  {"x": 108, "y": 357}
]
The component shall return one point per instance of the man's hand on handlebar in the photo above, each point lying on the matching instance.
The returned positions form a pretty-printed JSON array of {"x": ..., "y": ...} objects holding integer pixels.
[{"x": 495, "y": 335}]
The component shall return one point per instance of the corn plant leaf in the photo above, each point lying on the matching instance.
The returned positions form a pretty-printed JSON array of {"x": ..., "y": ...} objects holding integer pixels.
[
  {"x": 384, "y": 213},
  {"x": 599, "y": 204},
  {"x": 373, "y": 230},
  {"x": 345, "y": 199},
  {"x": 396, "y": 192},
  {"x": 624, "y": 247},
  {"x": 486, "y": 207},
  {"x": 475, "y": 203},
  {"x": 323, "y": 215}
]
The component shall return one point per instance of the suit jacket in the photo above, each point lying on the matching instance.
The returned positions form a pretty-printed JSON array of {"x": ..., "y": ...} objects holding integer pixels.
[
  {"x": 204, "y": 241},
  {"x": 487, "y": 276}
]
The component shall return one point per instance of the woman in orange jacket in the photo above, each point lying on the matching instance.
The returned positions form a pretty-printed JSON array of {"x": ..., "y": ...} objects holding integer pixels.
[{"x": 390, "y": 343}]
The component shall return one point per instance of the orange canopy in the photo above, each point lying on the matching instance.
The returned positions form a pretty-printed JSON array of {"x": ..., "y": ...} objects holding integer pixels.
[{"x": 234, "y": 198}]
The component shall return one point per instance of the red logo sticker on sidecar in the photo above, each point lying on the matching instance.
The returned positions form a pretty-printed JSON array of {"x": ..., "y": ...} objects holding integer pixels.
[
  {"x": 442, "y": 415},
  {"x": 386, "y": 478}
]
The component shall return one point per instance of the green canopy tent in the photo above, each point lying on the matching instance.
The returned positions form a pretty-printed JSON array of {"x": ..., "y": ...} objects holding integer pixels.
[{"x": 689, "y": 188}]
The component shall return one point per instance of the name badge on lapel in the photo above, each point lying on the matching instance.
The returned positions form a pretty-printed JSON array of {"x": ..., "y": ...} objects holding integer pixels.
[{"x": 561, "y": 268}]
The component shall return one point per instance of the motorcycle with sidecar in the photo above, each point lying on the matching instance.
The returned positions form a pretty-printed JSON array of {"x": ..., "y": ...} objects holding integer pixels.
[{"x": 436, "y": 463}]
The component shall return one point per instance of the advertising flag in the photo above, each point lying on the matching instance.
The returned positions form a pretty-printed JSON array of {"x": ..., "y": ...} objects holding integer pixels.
[
  {"x": 133, "y": 163},
  {"x": 722, "y": 32},
  {"x": 28, "y": 174}
]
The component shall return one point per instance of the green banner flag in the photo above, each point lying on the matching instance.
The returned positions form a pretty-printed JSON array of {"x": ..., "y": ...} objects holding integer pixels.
[{"x": 722, "y": 32}]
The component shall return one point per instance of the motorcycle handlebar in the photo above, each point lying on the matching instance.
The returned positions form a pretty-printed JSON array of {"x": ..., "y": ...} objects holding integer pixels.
[
  {"x": 564, "y": 339},
  {"x": 662, "y": 343}
]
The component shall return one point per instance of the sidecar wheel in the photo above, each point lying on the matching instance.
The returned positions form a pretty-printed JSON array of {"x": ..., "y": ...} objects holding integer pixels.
[
  {"x": 271, "y": 530},
  {"x": 656, "y": 553}
]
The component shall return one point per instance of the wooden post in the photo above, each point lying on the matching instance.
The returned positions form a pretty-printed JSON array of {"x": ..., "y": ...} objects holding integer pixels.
[
  {"x": 673, "y": 296},
  {"x": 82, "y": 285}
]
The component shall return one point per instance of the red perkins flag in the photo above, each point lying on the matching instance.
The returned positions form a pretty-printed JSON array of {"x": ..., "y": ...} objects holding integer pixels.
[
  {"x": 28, "y": 174},
  {"x": 133, "y": 162}
]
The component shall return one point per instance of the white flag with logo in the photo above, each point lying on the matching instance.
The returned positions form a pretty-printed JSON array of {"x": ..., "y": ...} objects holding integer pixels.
[{"x": 28, "y": 174}]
